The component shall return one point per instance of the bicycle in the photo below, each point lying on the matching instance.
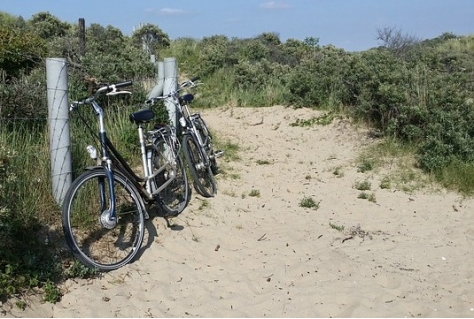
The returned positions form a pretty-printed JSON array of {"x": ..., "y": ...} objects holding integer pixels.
[
  {"x": 105, "y": 208},
  {"x": 196, "y": 140}
]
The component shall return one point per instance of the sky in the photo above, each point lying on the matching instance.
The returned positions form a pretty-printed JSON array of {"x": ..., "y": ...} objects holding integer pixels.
[{"x": 348, "y": 24}]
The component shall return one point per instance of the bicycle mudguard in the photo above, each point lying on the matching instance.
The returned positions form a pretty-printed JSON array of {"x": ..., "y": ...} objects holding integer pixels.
[{"x": 91, "y": 168}]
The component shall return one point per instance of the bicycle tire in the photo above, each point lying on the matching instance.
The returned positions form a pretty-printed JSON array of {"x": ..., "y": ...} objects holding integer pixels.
[
  {"x": 93, "y": 244},
  {"x": 206, "y": 136},
  {"x": 175, "y": 197},
  {"x": 203, "y": 179}
]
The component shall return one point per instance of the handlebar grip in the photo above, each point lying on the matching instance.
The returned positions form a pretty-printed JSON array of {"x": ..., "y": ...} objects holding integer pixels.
[
  {"x": 123, "y": 84},
  {"x": 194, "y": 79},
  {"x": 112, "y": 87}
]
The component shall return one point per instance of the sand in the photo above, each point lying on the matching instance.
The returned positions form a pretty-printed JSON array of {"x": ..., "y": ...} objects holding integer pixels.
[{"x": 404, "y": 254}]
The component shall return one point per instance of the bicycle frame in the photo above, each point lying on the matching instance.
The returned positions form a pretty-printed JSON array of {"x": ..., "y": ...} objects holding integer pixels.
[{"x": 112, "y": 160}]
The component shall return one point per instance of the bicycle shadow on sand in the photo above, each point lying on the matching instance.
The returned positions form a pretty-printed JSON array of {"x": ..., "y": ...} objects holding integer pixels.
[{"x": 152, "y": 231}]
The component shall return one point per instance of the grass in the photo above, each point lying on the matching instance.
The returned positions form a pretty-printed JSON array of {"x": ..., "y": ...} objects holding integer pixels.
[
  {"x": 26, "y": 205},
  {"x": 337, "y": 171},
  {"x": 254, "y": 193},
  {"x": 204, "y": 204},
  {"x": 398, "y": 164},
  {"x": 363, "y": 185},
  {"x": 309, "y": 202},
  {"x": 231, "y": 150},
  {"x": 339, "y": 228},
  {"x": 367, "y": 164},
  {"x": 457, "y": 176},
  {"x": 263, "y": 162},
  {"x": 369, "y": 196},
  {"x": 32, "y": 256},
  {"x": 324, "y": 119},
  {"x": 231, "y": 154},
  {"x": 385, "y": 183}
]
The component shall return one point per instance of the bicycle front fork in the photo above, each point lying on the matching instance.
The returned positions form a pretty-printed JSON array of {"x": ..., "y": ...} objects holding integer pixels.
[{"x": 108, "y": 217}]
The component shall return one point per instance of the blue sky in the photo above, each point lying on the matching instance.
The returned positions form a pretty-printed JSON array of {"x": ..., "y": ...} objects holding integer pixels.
[{"x": 348, "y": 24}]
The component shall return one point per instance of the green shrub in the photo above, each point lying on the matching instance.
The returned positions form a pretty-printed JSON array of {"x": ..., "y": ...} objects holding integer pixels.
[
  {"x": 309, "y": 202},
  {"x": 362, "y": 185}
]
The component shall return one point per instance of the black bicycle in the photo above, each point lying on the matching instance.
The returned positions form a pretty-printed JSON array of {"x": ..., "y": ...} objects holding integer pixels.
[{"x": 105, "y": 208}]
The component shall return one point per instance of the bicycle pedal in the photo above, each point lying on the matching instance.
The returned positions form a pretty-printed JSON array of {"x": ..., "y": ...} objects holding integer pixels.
[{"x": 218, "y": 153}]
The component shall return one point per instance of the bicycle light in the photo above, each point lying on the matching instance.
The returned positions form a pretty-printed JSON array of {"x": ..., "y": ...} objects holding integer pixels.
[
  {"x": 182, "y": 121},
  {"x": 92, "y": 151}
]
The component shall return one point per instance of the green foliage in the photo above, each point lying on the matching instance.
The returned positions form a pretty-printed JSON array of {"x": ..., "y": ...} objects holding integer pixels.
[
  {"x": 385, "y": 183},
  {"x": 112, "y": 57},
  {"x": 52, "y": 293},
  {"x": 324, "y": 119},
  {"x": 254, "y": 193},
  {"x": 363, "y": 185},
  {"x": 26, "y": 260},
  {"x": 48, "y": 26},
  {"x": 151, "y": 38},
  {"x": 318, "y": 80},
  {"x": 19, "y": 51},
  {"x": 309, "y": 202},
  {"x": 10, "y": 21},
  {"x": 25, "y": 97},
  {"x": 369, "y": 196},
  {"x": 366, "y": 165},
  {"x": 79, "y": 270},
  {"x": 214, "y": 54},
  {"x": 263, "y": 162},
  {"x": 457, "y": 175},
  {"x": 337, "y": 171},
  {"x": 339, "y": 228}
]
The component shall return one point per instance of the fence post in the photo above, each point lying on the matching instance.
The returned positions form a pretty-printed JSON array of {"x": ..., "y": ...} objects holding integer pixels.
[
  {"x": 170, "y": 85},
  {"x": 158, "y": 89},
  {"x": 58, "y": 119}
]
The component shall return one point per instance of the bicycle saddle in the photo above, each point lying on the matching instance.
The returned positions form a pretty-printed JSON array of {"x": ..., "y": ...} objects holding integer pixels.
[
  {"x": 142, "y": 116},
  {"x": 186, "y": 98}
]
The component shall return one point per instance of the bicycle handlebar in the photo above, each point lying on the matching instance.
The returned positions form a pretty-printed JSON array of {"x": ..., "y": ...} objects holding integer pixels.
[
  {"x": 188, "y": 83},
  {"x": 191, "y": 83},
  {"x": 113, "y": 87},
  {"x": 109, "y": 89}
]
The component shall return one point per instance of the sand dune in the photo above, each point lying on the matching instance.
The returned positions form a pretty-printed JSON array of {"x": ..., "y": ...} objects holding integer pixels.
[{"x": 236, "y": 255}]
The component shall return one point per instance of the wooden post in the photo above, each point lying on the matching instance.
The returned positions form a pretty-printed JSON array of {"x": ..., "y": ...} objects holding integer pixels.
[{"x": 82, "y": 37}]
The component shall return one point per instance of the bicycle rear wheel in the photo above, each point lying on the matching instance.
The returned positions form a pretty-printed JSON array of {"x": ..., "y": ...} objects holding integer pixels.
[
  {"x": 175, "y": 197},
  {"x": 204, "y": 181},
  {"x": 97, "y": 246},
  {"x": 207, "y": 138}
]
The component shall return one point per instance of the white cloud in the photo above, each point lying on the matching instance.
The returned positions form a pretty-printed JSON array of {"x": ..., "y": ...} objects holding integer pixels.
[
  {"x": 165, "y": 11},
  {"x": 274, "y": 5},
  {"x": 170, "y": 11}
]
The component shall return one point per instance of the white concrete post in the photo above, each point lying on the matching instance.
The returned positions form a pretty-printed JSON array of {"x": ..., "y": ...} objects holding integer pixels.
[
  {"x": 58, "y": 119},
  {"x": 171, "y": 85},
  {"x": 158, "y": 88}
]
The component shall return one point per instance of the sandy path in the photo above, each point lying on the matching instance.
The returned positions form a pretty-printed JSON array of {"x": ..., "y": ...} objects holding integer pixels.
[{"x": 238, "y": 255}]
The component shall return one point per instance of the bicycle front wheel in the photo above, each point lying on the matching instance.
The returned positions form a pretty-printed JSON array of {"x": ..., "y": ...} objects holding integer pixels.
[
  {"x": 96, "y": 245},
  {"x": 204, "y": 181}
]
